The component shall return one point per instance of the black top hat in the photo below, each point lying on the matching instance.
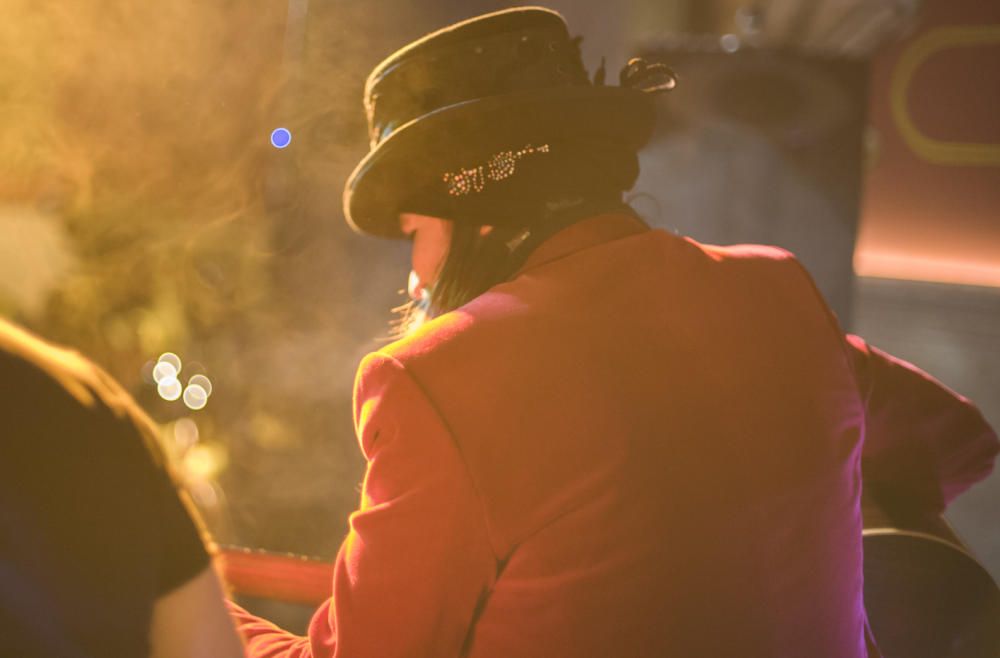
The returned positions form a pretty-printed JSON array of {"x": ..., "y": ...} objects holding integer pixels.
[{"x": 455, "y": 115}]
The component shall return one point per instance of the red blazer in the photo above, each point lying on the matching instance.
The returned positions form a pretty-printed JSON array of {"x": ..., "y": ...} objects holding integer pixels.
[{"x": 638, "y": 446}]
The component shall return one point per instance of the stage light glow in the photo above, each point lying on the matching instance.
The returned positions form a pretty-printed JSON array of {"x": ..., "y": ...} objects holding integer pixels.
[
  {"x": 281, "y": 137},
  {"x": 169, "y": 389},
  {"x": 186, "y": 434},
  {"x": 204, "y": 461},
  {"x": 203, "y": 381},
  {"x": 918, "y": 267},
  {"x": 195, "y": 397},
  {"x": 164, "y": 371}
]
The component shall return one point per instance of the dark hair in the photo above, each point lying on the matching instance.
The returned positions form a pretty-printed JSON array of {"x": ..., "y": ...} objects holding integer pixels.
[
  {"x": 476, "y": 262},
  {"x": 576, "y": 181}
]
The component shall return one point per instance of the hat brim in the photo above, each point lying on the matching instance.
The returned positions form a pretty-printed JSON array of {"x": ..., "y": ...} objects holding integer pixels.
[{"x": 466, "y": 134}]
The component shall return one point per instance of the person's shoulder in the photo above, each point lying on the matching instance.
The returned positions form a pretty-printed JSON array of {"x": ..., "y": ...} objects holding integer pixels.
[
  {"x": 450, "y": 347},
  {"x": 46, "y": 381},
  {"x": 741, "y": 252},
  {"x": 464, "y": 328},
  {"x": 33, "y": 365},
  {"x": 757, "y": 261}
]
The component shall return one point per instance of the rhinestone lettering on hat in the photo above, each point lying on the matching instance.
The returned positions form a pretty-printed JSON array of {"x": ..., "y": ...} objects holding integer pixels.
[{"x": 500, "y": 166}]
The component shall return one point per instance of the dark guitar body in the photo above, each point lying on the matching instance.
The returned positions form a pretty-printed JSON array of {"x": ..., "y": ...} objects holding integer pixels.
[{"x": 925, "y": 594}]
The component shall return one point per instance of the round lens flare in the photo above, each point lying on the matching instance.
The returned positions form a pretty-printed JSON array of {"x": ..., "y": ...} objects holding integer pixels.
[
  {"x": 185, "y": 433},
  {"x": 169, "y": 389},
  {"x": 204, "y": 493},
  {"x": 195, "y": 397},
  {"x": 202, "y": 381},
  {"x": 729, "y": 42},
  {"x": 172, "y": 359},
  {"x": 164, "y": 371},
  {"x": 165, "y": 375},
  {"x": 146, "y": 372},
  {"x": 280, "y": 138}
]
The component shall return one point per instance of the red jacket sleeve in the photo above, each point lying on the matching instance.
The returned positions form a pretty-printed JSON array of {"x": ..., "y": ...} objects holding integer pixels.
[
  {"x": 417, "y": 560},
  {"x": 924, "y": 444}
]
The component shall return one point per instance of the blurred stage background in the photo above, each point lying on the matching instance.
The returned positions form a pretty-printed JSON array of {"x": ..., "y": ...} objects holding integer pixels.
[{"x": 143, "y": 208}]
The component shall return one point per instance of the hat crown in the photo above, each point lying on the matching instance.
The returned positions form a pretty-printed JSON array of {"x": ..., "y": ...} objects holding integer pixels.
[
  {"x": 503, "y": 52},
  {"x": 454, "y": 116}
]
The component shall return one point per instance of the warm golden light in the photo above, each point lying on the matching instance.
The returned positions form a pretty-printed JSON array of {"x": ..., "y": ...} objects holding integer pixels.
[
  {"x": 205, "y": 461},
  {"x": 889, "y": 265}
]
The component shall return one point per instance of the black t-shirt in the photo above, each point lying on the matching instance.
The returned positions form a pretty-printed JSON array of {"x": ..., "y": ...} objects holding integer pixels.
[{"x": 92, "y": 525}]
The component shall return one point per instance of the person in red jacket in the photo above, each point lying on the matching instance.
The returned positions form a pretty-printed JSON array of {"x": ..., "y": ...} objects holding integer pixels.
[{"x": 594, "y": 438}]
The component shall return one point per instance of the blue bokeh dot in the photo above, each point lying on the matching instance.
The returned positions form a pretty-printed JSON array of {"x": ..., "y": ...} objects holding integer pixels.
[{"x": 281, "y": 137}]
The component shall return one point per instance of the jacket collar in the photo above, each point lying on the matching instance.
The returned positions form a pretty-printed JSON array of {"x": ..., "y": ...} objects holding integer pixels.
[{"x": 583, "y": 234}]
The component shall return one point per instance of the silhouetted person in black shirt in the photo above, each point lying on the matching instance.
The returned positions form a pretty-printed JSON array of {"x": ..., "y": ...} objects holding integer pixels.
[{"x": 100, "y": 554}]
